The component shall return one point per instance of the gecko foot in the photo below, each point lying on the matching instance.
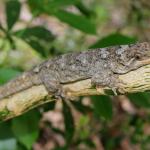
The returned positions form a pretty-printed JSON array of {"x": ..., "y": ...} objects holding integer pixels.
[
  {"x": 99, "y": 89},
  {"x": 61, "y": 94},
  {"x": 108, "y": 80}
]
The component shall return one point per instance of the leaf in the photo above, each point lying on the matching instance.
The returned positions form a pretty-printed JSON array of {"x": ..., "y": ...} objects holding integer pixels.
[
  {"x": 140, "y": 99},
  {"x": 20, "y": 146},
  {"x": 35, "y": 6},
  {"x": 60, "y": 148},
  {"x": 102, "y": 106},
  {"x": 84, "y": 10},
  {"x": 35, "y": 32},
  {"x": 55, "y": 4},
  {"x": 77, "y": 21},
  {"x": 5, "y": 130},
  {"x": 7, "y": 140},
  {"x": 113, "y": 39},
  {"x": 69, "y": 122},
  {"x": 80, "y": 107},
  {"x": 25, "y": 128},
  {"x": 7, "y": 73},
  {"x": 48, "y": 106},
  {"x": 38, "y": 6},
  {"x": 90, "y": 143},
  {"x": 39, "y": 47},
  {"x": 38, "y": 37},
  {"x": 12, "y": 11}
]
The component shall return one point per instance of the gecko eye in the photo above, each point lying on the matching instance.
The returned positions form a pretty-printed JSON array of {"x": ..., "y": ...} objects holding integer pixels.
[{"x": 137, "y": 57}]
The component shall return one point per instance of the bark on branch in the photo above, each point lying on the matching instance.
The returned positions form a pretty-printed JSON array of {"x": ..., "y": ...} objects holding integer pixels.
[{"x": 135, "y": 81}]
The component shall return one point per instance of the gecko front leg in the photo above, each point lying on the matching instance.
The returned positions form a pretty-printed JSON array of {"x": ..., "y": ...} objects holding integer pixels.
[
  {"x": 50, "y": 79},
  {"x": 106, "y": 78}
]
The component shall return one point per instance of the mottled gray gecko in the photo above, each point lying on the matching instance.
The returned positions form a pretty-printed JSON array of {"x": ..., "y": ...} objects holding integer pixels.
[{"x": 101, "y": 65}]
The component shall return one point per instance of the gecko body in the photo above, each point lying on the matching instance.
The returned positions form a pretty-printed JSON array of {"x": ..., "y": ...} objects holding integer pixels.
[{"x": 101, "y": 65}]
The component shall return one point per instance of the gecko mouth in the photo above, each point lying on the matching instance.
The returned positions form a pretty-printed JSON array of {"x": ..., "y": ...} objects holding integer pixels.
[{"x": 144, "y": 62}]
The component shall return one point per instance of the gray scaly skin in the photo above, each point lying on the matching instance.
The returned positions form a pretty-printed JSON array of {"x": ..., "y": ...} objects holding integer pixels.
[{"x": 101, "y": 65}]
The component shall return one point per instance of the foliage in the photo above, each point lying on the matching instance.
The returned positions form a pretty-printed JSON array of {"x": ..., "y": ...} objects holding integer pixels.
[{"x": 88, "y": 118}]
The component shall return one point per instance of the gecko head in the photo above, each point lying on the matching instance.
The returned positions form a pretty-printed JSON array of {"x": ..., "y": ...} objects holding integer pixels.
[{"x": 134, "y": 55}]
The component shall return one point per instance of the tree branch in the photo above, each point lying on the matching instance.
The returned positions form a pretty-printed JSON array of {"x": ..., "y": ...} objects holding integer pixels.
[{"x": 134, "y": 81}]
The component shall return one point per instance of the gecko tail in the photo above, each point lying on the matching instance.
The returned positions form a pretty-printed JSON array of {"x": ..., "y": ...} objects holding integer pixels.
[{"x": 20, "y": 83}]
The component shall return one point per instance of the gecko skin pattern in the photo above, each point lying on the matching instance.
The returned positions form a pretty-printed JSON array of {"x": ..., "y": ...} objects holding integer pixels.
[{"x": 101, "y": 65}]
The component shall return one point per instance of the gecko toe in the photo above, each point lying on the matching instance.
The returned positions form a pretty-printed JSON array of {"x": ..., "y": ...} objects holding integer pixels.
[{"x": 61, "y": 94}]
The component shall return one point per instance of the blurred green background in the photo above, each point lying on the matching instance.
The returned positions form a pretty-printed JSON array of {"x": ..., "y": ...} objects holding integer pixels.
[{"x": 34, "y": 30}]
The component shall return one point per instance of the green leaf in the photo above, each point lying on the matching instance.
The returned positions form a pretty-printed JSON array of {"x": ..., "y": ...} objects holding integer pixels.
[
  {"x": 60, "y": 148},
  {"x": 52, "y": 8},
  {"x": 103, "y": 106},
  {"x": 84, "y": 10},
  {"x": 20, "y": 146},
  {"x": 113, "y": 39},
  {"x": 5, "y": 130},
  {"x": 49, "y": 106},
  {"x": 55, "y": 4},
  {"x": 25, "y": 128},
  {"x": 35, "y": 6},
  {"x": 7, "y": 73},
  {"x": 90, "y": 143},
  {"x": 38, "y": 6},
  {"x": 38, "y": 37},
  {"x": 7, "y": 140},
  {"x": 77, "y": 21},
  {"x": 69, "y": 122},
  {"x": 140, "y": 99},
  {"x": 12, "y": 11},
  {"x": 80, "y": 107},
  {"x": 39, "y": 32}
]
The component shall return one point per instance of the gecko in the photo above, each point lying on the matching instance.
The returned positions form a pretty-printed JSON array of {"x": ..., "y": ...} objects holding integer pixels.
[{"x": 102, "y": 65}]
